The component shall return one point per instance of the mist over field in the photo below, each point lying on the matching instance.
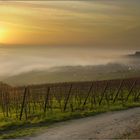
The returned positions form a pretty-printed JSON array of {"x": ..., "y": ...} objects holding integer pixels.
[
  {"x": 61, "y": 64},
  {"x": 16, "y": 60}
]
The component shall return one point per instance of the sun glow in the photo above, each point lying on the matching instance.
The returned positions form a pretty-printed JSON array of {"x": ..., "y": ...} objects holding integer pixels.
[{"x": 3, "y": 34}]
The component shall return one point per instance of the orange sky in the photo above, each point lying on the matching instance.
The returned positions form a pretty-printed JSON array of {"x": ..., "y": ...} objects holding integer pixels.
[{"x": 70, "y": 23}]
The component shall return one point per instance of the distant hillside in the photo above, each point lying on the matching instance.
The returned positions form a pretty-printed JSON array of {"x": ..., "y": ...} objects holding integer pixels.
[
  {"x": 74, "y": 73},
  {"x": 135, "y": 55}
]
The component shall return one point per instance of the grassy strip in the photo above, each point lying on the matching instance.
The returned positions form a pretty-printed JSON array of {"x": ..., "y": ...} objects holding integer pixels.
[{"x": 10, "y": 128}]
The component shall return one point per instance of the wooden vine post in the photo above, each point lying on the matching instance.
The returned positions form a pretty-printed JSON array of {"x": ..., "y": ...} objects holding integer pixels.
[
  {"x": 23, "y": 103},
  {"x": 69, "y": 93},
  {"x": 46, "y": 100}
]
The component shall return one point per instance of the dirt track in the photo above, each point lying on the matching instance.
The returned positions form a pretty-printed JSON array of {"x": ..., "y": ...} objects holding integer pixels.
[{"x": 104, "y": 126}]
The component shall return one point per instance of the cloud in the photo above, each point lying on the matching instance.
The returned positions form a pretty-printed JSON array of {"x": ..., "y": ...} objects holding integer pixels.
[{"x": 71, "y": 22}]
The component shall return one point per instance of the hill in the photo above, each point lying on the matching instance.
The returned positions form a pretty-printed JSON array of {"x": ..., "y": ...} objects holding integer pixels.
[
  {"x": 74, "y": 73},
  {"x": 135, "y": 55}
]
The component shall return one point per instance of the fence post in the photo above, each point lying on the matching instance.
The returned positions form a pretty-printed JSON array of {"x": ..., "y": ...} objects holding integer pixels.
[
  {"x": 118, "y": 91},
  {"x": 65, "y": 106},
  {"x": 103, "y": 93},
  {"x": 23, "y": 102},
  {"x": 131, "y": 90},
  {"x": 6, "y": 104},
  {"x": 88, "y": 95},
  {"x": 46, "y": 100}
]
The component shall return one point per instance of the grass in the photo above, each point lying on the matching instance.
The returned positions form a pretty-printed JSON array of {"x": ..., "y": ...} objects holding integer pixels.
[{"x": 12, "y": 128}]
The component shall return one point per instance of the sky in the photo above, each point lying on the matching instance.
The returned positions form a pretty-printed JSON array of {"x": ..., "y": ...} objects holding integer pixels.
[
  {"x": 104, "y": 23},
  {"x": 38, "y": 35}
]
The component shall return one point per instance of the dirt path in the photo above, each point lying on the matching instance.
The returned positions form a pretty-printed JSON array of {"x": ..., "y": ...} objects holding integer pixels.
[{"x": 104, "y": 126}]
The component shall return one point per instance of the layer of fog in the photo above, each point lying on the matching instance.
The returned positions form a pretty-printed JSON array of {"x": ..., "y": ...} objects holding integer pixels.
[{"x": 16, "y": 60}]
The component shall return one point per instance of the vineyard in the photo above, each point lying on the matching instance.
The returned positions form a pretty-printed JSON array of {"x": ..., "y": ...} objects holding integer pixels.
[{"x": 32, "y": 101}]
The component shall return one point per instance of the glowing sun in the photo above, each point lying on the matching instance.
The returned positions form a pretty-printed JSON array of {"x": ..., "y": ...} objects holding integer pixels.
[{"x": 3, "y": 34}]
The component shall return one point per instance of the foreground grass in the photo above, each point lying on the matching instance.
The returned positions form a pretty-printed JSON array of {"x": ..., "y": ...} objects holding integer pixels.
[{"x": 11, "y": 128}]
